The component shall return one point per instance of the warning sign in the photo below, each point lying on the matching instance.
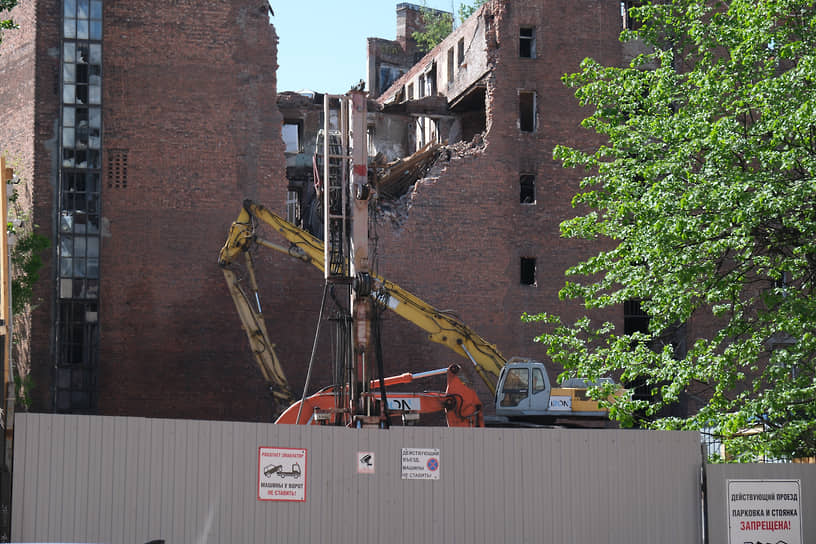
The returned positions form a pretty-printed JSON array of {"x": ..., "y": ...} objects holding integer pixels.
[
  {"x": 281, "y": 474},
  {"x": 420, "y": 464},
  {"x": 365, "y": 462},
  {"x": 764, "y": 511}
]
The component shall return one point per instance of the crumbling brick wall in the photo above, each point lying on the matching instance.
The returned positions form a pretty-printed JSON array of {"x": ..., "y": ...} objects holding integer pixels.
[{"x": 460, "y": 245}]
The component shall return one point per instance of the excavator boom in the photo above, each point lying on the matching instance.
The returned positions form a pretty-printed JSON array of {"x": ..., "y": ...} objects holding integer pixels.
[{"x": 442, "y": 327}]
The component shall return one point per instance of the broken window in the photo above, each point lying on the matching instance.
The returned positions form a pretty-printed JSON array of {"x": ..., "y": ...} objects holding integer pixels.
[
  {"x": 421, "y": 86},
  {"x": 527, "y": 107},
  {"x": 527, "y": 42},
  {"x": 430, "y": 80},
  {"x": 450, "y": 65},
  {"x": 293, "y": 206},
  {"x": 528, "y": 271},
  {"x": 460, "y": 50},
  {"x": 410, "y": 92},
  {"x": 291, "y": 132},
  {"x": 78, "y": 207},
  {"x": 371, "y": 130},
  {"x": 527, "y": 183}
]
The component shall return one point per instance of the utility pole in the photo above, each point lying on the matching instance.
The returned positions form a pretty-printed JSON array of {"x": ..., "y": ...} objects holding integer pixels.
[{"x": 7, "y": 398}]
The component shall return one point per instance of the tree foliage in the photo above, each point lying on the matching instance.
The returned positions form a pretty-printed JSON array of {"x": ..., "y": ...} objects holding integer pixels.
[
  {"x": 6, "y": 24},
  {"x": 438, "y": 24},
  {"x": 466, "y": 10},
  {"x": 705, "y": 195},
  {"x": 26, "y": 261}
]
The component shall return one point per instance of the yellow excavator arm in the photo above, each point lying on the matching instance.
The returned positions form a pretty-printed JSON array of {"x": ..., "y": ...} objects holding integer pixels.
[{"x": 442, "y": 327}]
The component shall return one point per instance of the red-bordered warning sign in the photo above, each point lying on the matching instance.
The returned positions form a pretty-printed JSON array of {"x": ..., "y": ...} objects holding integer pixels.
[{"x": 281, "y": 474}]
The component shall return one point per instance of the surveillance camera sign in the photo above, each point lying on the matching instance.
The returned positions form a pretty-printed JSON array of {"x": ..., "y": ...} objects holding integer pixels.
[{"x": 764, "y": 511}]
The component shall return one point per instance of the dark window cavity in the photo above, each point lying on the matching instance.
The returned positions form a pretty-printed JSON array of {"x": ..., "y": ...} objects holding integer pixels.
[
  {"x": 635, "y": 319},
  {"x": 527, "y": 186},
  {"x": 527, "y": 107},
  {"x": 527, "y": 42},
  {"x": 528, "y": 271}
]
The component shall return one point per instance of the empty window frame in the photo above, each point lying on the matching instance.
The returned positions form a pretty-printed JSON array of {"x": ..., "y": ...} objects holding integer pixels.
[
  {"x": 527, "y": 188},
  {"x": 293, "y": 206},
  {"x": 460, "y": 51},
  {"x": 635, "y": 318},
  {"x": 410, "y": 92},
  {"x": 627, "y": 21},
  {"x": 291, "y": 133},
  {"x": 527, "y": 111},
  {"x": 527, "y": 42},
  {"x": 421, "y": 86},
  {"x": 528, "y": 271},
  {"x": 450, "y": 65}
]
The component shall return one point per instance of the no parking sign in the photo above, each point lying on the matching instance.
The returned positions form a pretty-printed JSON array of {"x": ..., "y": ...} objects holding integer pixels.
[{"x": 420, "y": 464}]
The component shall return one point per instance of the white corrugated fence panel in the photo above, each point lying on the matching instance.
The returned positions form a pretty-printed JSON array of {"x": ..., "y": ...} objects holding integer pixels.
[{"x": 132, "y": 480}]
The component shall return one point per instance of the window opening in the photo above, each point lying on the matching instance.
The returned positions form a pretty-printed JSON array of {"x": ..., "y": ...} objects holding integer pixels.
[
  {"x": 516, "y": 386},
  {"x": 293, "y": 206},
  {"x": 78, "y": 206},
  {"x": 527, "y": 186},
  {"x": 411, "y": 91},
  {"x": 627, "y": 21},
  {"x": 450, "y": 65},
  {"x": 527, "y": 106},
  {"x": 635, "y": 319},
  {"x": 527, "y": 42},
  {"x": 539, "y": 384},
  {"x": 291, "y": 132},
  {"x": 421, "y": 86},
  {"x": 528, "y": 271},
  {"x": 460, "y": 51}
]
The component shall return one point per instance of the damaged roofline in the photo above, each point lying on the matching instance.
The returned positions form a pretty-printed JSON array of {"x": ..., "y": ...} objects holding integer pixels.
[{"x": 390, "y": 94}]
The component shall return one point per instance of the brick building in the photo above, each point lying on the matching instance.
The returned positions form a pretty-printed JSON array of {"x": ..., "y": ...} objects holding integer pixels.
[
  {"x": 138, "y": 128},
  {"x": 137, "y": 154},
  {"x": 480, "y": 234},
  {"x": 487, "y": 222}
]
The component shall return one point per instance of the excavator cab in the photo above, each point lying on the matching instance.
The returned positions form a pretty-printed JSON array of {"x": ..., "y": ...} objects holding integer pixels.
[{"x": 523, "y": 389}]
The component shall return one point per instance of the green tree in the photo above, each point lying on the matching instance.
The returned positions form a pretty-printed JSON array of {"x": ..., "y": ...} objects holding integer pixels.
[
  {"x": 704, "y": 193},
  {"x": 466, "y": 10},
  {"x": 438, "y": 24},
  {"x": 6, "y": 24}
]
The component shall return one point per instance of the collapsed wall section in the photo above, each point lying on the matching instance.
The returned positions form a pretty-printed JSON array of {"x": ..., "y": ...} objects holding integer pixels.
[{"x": 482, "y": 237}]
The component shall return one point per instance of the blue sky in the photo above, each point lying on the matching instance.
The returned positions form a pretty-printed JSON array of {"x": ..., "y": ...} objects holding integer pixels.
[{"x": 322, "y": 43}]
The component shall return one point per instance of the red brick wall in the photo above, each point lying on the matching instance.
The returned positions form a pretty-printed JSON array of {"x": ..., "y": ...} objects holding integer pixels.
[
  {"x": 461, "y": 245},
  {"x": 28, "y": 115},
  {"x": 190, "y": 93}
]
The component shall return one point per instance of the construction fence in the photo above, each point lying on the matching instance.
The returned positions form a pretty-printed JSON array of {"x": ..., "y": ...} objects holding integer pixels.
[{"x": 135, "y": 480}]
